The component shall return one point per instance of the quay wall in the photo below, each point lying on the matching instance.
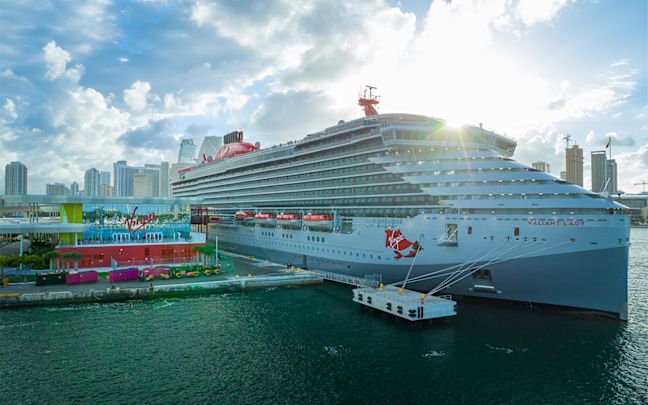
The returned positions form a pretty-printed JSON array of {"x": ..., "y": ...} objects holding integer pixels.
[{"x": 110, "y": 294}]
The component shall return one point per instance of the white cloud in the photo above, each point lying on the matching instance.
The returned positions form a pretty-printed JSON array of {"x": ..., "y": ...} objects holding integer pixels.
[
  {"x": 635, "y": 169},
  {"x": 10, "y": 108},
  {"x": 56, "y": 59},
  {"x": 137, "y": 95},
  {"x": 534, "y": 11},
  {"x": 620, "y": 62}
]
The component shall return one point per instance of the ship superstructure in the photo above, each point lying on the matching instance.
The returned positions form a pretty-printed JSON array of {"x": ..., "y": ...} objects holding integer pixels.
[{"x": 362, "y": 197}]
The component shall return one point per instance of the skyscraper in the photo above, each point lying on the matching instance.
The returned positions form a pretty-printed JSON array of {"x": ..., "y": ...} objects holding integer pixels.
[
  {"x": 210, "y": 146},
  {"x": 542, "y": 166},
  {"x": 611, "y": 174},
  {"x": 15, "y": 179},
  {"x": 57, "y": 189},
  {"x": 598, "y": 170},
  {"x": 104, "y": 184},
  {"x": 143, "y": 184},
  {"x": 574, "y": 165},
  {"x": 91, "y": 183},
  {"x": 124, "y": 176},
  {"x": 74, "y": 188},
  {"x": 187, "y": 153},
  {"x": 164, "y": 179}
]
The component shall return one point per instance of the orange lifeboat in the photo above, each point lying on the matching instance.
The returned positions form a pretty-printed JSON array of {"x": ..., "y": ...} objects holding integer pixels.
[
  {"x": 265, "y": 218},
  {"x": 286, "y": 219},
  {"x": 242, "y": 215},
  {"x": 318, "y": 221}
]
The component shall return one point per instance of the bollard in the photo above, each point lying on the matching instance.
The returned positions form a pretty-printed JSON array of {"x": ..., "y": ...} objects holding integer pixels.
[
  {"x": 400, "y": 291},
  {"x": 249, "y": 274},
  {"x": 237, "y": 276},
  {"x": 381, "y": 286}
]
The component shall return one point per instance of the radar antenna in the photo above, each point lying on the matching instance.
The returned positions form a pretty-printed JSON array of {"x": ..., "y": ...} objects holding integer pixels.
[
  {"x": 566, "y": 139},
  {"x": 368, "y": 101}
]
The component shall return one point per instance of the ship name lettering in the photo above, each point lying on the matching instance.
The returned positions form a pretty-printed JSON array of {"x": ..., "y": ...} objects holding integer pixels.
[{"x": 555, "y": 222}]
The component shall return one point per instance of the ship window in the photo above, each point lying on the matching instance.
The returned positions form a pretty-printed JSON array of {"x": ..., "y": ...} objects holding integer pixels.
[{"x": 516, "y": 231}]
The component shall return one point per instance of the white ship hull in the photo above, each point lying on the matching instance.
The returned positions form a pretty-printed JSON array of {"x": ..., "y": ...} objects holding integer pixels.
[{"x": 578, "y": 262}]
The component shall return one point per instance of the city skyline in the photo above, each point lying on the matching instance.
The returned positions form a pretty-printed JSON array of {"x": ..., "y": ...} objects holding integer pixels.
[{"x": 83, "y": 87}]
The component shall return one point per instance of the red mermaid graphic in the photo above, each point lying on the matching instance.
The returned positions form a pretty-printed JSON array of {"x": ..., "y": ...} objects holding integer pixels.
[{"x": 398, "y": 242}]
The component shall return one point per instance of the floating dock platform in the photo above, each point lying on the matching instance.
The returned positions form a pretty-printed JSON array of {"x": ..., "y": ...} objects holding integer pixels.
[{"x": 406, "y": 304}]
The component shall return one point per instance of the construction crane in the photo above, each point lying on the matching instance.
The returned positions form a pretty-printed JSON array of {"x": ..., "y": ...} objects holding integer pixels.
[
  {"x": 643, "y": 184},
  {"x": 566, "y": 138}
]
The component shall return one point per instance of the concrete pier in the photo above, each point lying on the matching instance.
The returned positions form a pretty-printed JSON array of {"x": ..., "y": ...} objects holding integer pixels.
[
  {"x": 251, "y": 274},
  {"x": 31, "y": 295}
]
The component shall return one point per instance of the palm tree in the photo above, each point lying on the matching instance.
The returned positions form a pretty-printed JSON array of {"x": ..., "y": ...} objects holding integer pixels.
[
  {"x": 51, "y": 256},
  {"x": 76, "y": 256},
  {"x": 206, "y": 251},
  {"x": 4, "y": 261}
]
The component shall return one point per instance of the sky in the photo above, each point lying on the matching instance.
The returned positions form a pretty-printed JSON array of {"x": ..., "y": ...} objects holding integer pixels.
[{"x": 84, "y": 84}]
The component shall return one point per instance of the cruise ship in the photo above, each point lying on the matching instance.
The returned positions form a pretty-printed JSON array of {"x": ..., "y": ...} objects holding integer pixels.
[{"x": 403, "y": 195}]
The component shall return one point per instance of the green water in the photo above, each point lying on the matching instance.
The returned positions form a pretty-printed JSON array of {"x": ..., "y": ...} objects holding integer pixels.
[{"x": 313, "y": 345}]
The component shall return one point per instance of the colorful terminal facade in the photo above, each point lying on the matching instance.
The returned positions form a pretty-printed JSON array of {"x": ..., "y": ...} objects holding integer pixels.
[{"x": 115, "y": 231}]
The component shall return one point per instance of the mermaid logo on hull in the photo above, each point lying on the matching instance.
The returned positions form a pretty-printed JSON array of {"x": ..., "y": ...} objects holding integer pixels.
[{"x": 398, "y": 242}]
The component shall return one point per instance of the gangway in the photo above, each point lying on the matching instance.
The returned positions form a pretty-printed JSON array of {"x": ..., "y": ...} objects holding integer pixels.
[{"x": 369, "y": 281}]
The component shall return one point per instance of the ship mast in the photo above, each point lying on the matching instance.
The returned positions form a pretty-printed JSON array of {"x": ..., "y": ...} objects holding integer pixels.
[{"x": 368, "y": 101}]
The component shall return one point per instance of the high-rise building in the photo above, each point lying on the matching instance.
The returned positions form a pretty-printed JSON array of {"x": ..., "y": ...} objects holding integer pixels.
[
  {"x": 604, "y": 173},
  {"x": 599, "y": 160},
  {"x": 542, "y": 166},
  {"x": 15, "y": 179},
  {"x": 106, "y": 190},
  {"x": 74, "y": 188},
  {"x": 104, "y": 184},
  {"x": 91, "y": 182},
  {"x": 143, "y": 184},
  {"x": 210, "y": 147},
  {"x": 56, "y": 189},
  {"x": 124, "y": 174},
  {"x": 574, "y": 165},
  {"x": 187, "y": 153},
  {"x": 164, "y": 179},
  {"x": 611, "y": 174}
]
